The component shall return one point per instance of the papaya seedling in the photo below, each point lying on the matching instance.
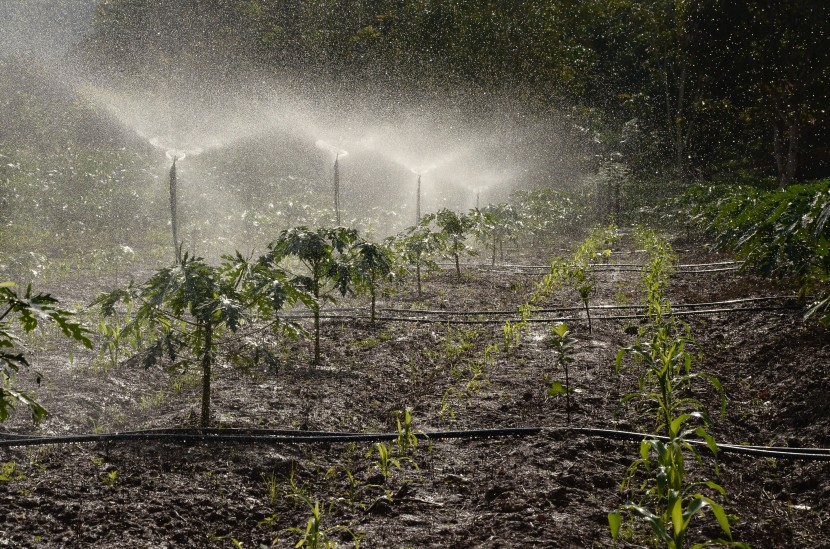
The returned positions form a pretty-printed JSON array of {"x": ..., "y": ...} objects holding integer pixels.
[
  {"x": 584, "y": 284},
  {"x": 455, "y": 228},
  {"x": 416, "y": 246},
  {"x": 372, "y": 264},
  {"x": 324, "y": 255},
  {"x": 493, "y": 225},
  {"x": 184, "y": 309}
]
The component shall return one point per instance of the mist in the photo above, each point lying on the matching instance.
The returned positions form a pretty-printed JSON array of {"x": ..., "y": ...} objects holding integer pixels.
[{"x": 247, "y": 140}]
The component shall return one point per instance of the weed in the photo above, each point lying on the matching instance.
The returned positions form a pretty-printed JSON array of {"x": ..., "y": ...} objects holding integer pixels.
[
  {"x": 10, "y": 472},
  {"x": 271, "y": 487},
  {"x": 110, "y": 478}
]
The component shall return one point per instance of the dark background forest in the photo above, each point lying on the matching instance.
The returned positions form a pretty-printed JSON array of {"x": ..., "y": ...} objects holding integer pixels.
[{"x": 700, "y": 90}]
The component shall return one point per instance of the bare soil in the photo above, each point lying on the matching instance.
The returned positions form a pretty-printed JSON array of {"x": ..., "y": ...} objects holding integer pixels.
[{"x": 554, "y": 489}]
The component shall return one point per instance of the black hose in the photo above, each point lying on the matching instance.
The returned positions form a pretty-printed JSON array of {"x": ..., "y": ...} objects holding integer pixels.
[
  {"x": 563, "y": 309},
  {"x": 273, "y": 436},
  {"x": 540, "y": 320},
  {"x": 254, "y": 436},
  {"x": 782, "y": 452}
]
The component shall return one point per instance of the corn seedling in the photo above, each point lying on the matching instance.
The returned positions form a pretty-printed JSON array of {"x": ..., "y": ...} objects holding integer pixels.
[
  {"x": 296, "y": 492},
  {"x": 674, "y": 500},
  {"x": 667, "y": 375},
  {"x": 407, "y": 441},
  {"x": 671, "y": 500},
  {"x": 316, "y": 537},
  {"x": 385, "y": 461},
  {"x": 656, "y": 272}
]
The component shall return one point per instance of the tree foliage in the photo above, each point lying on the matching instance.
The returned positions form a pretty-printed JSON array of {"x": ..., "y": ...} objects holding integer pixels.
[
  {"x": 28, "y": 311},
  {"x": 183, "y": 310},
  {"x": 708, "y": 85},
  {"x": 326, "y": 265}
]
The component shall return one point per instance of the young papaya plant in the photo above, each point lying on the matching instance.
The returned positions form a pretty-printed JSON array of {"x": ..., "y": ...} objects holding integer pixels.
[
  {"x": 372, "y": 264},
  {"x": 324, "y": 256},
  {"x": 493, "y": 225},
  {"x": 455, "y": 228},
  {"x": 29, "y": 311},
  {"x": 183, "y": 311},
  {"x": 417, "y": 245},
  {"x": 584, "y": 283}
]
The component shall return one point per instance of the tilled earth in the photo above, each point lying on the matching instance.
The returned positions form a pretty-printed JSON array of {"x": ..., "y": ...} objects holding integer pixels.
[{"x": 552, "y": 489}]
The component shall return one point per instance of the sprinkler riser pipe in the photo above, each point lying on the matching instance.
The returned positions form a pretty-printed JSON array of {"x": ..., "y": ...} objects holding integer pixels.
[
  {"x": 418, "y": 202},
  {"x": 177, "y": 251}
]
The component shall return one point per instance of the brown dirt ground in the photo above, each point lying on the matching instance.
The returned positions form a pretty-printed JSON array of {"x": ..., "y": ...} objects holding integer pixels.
[{"x": 550, "y": 490}]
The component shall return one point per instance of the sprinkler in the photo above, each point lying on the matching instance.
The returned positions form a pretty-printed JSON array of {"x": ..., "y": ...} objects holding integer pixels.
[
  {"x": 175, "y": 154},
  {"x": 337, "y": 189},
  {"x": 337, "y": 154},
  {"x": 177, "y": 249},
  {"x": 418, "y": 202},
  {"x": 419, "y": 173}
]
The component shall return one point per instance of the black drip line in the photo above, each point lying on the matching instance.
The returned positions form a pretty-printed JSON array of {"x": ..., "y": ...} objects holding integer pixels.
[{"x": 276, "y": 437}]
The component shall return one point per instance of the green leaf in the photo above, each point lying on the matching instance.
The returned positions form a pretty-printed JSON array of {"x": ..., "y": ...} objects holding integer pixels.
[
  {"x": 614, "y": 523},
  {"x": 678, "y": 524},
  {"x": 677, "y": 423},
  {"x": 557, "y": 389}
]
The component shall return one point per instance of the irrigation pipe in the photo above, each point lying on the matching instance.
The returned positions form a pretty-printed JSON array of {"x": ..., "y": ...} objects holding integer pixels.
[
  {"x": 782, "y": 452},
  {"x": 538, "y": 320},
  {"x": 260, "y": 436},
  {"x": 269, "y": 436},
  {"x": 611, "y": 269},
  {"x": 485, "y": 266},
  {"x": 575, "y": 308}
]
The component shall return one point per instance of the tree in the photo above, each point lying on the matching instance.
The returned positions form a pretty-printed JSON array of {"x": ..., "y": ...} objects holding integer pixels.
[
  {"x": 782, "y": 48},
  {"x": 371, "y": 265},
  {"x": 29, "y": 311},
  {"x": 416, "y": 245},
  {"x": 183, "y": 310},
  {"x": 455, "y": 228},
  {"x": 324, "y": 255}
]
